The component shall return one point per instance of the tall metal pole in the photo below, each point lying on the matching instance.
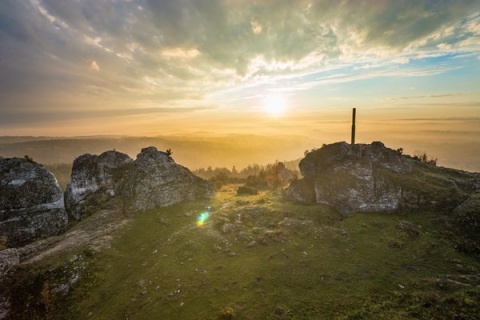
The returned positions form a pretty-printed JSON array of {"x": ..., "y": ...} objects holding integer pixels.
[{"x": 354, "y": 111}]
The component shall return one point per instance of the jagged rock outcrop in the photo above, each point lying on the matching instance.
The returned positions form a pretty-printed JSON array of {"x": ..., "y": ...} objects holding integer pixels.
[
  {"x": 373, "y": 178},
  {"x": 155, "y": 180},
  {"x": 94, "y": 180},
  {"x": 152, "y": 180},
  {"x": 31, "y": 202}
]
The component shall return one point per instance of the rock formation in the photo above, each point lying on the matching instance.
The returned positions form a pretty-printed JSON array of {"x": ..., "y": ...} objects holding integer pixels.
[
  {"x": 469, "y": 212},
  {"x": 94, "y": 180},
  {"x": 155, "y": 180},
  {"x": 31, "y": 202},
  {"x": 373, "y": 178},
  {"x": 152, "y": 180}
]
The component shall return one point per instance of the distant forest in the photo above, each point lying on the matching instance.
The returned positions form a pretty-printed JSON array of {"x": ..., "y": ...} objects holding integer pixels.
[
  {"x": 270, "y": 176},
  {"x": 254, "y": 175}
]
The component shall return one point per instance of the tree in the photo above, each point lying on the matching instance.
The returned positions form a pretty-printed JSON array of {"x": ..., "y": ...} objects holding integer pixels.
[{"x": 426, "y": 159}]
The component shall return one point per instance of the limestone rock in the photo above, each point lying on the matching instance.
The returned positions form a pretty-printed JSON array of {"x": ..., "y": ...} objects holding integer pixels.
[
  {"x": 5, "y": 306},
  {"x": 300, "y": 191},
  {"x": 8, "y": 259},
  {"x": 31, "y": 202},
  {"x": 152, "y": 180},
  {"x": 374, "y": 178},
  {"x": 467, "y": 214},
  {"x": 155, "y": 180},
  {"x": 93, "y": 181}
]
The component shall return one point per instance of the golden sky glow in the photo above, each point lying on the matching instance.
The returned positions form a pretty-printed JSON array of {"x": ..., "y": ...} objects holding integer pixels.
[{"x": 268, "y": 67}]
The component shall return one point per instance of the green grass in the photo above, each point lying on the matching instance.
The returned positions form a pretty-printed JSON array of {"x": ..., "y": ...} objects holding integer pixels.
[{"x": 259, "y": 257}]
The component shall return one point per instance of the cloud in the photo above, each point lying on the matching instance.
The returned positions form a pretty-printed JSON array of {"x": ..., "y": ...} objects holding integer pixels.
[
  {"x": 45, "y": 116},
  {"x": 180, "y": 53},
  {"x": 446, "y": 95},
  {"x": 160, "y": 52},
  {"x": 93, "y": 65},
  {"x": 256, "y": 27}
]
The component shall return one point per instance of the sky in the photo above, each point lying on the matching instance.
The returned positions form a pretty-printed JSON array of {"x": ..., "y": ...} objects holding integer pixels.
[{"x": 273, "y": 67}]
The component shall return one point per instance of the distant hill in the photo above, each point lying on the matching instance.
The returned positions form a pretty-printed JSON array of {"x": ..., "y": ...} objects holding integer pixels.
[
  {"x": 203, "y": 151},
  {"x": 193, "y": 152}
]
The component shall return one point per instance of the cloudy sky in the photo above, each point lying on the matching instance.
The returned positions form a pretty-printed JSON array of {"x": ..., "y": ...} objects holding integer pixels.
[{"x": 150, "y": 67}]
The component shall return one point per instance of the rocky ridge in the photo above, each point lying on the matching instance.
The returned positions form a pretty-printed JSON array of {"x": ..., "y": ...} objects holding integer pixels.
[
  {"x": 33, "y": 208},
  {"x": 374, "y": 178},
  {"x": 152, "y": 180}
]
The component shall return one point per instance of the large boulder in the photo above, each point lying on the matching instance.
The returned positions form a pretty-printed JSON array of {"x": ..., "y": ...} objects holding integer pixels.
[
  {"x": 31, "y": 202},
  {"x": 467, "y": 215},
  {"x": 373, "y": 178},
  {"x": 155, "y": 180},
  {"x": 300, "y": 190},
  {"x": 94, "y": 181},
  {"x": 152, "y": 180}
]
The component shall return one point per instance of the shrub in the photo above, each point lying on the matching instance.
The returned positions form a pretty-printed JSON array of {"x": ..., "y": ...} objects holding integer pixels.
[
  {"x": 244, "y": 190},
  {"x": 226, "y": 313},
  {"x": 426, "y": 159},
  {"x": 257, "y": 181}
]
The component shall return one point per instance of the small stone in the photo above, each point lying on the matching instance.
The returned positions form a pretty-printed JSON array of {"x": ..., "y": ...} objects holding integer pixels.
[
  {"x": 440, "y": 283},
  {"x": 408, "y": 228},
  {"x": 226, "y": 228}
]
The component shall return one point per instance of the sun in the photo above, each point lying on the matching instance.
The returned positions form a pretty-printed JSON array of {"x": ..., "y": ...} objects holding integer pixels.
[{"x": 275, "y": 106}]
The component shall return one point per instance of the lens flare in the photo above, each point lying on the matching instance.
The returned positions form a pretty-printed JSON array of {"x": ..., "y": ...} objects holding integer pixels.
[{"x": 202, "y": 218}]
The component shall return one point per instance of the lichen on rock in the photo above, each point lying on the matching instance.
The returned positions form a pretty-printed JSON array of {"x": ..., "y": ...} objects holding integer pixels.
[
  {"x": 155, "y": 180},
  {"x": 374, "y": 178},
  {"x": 152, "y": 180},
  {"x": 93, "y": 181},
  {"x": 31, "y": 202},
  {"x": 9, "y": 258}
]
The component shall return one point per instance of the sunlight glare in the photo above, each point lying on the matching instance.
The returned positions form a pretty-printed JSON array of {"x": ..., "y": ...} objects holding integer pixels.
[
  {"x": 202, "y": 219},
  {"x": 275, "y": 106}
]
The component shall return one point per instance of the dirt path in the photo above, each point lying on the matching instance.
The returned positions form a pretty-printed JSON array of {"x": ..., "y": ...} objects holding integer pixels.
[{"x": 95, "y": 231}]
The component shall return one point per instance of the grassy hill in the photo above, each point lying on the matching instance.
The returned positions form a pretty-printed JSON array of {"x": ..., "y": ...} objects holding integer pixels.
[{"x": 258, "y": 257}]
